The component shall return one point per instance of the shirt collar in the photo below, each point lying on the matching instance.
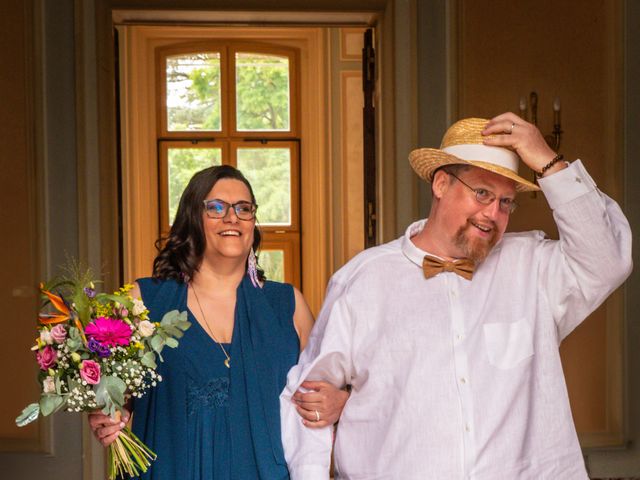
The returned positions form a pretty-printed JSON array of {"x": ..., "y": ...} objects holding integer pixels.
[{"x": 413, "y": 253}]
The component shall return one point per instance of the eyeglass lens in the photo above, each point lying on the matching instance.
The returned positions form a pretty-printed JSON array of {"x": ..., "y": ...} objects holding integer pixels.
[{"x": 218, "y": 209}]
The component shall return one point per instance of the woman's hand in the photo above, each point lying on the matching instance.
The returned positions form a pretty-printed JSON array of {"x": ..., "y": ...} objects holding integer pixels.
[
  {"x": 321, "y": 405},
  {"x": 105, "y": 428}
]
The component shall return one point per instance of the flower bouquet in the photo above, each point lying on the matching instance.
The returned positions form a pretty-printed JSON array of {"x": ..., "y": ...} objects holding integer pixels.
[{"x": 95, "y": 351}]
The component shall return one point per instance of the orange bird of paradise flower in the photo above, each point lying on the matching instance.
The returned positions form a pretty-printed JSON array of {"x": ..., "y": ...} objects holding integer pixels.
[{"x": 64, "y": 314}]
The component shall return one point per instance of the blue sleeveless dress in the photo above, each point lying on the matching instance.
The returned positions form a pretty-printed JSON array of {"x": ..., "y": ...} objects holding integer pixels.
[{"x": 209, "y": 422}]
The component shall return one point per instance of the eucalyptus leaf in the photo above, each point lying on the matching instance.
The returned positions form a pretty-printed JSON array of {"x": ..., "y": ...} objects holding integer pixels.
[
  {"x": 173, "y": 317},
  {"x": 50, "y": 403},
  {"x": 28, "y": 415},
  {"x": 172, "y": 331},
  {"x": 74, "y": 344},
  {"x": 110, "y": 392},
  {"x": 171, "y": 343},
  {"x": 182, "y": 325},
  {"x": 149, "y": 360},
  {"x": 157, "y": 342}
]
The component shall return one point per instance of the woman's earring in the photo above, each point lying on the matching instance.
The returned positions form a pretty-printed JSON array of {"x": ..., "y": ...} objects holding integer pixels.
[{"x": 252, "y": 269}]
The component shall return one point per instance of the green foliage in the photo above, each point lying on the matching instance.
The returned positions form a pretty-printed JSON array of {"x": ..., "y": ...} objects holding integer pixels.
[
  {"x": 28, "y": 415},
  {"x": 183, "y": 163},
  {"x": 272, "y": 262},
  {"x": 110, "y": 393},
  {"x": 75, "y": 340},
  {"x": 51, "y": 403},
  {"x": 172, "y": 326},
  {"x": 269, "y": 172},
  {"x": 193, "y": 92},
  {"x": 149, "y": 360},
  {"x": 262, "y": 92}
]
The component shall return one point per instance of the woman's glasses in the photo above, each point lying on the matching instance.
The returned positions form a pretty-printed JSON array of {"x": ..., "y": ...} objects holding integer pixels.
[{"x": 217, "y": 208}]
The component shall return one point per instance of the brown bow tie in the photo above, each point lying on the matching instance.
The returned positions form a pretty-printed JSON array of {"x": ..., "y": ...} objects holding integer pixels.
[{"x": 431, "y": 266}]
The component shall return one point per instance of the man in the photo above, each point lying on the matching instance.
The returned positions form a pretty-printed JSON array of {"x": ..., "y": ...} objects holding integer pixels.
[{"x": 449, "y": 335}]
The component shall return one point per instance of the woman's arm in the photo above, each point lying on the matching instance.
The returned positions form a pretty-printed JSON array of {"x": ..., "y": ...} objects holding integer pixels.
[
  {"x": 321, "y": 404},
  {"x": 302, "y": 318}
]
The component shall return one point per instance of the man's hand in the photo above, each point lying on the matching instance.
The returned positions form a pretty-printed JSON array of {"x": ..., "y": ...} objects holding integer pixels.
[
  {"x": 513, "y": 132},
  {"x": 321, "y": 405}
]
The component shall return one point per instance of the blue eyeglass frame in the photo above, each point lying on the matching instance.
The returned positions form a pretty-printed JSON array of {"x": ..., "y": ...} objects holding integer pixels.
[{"x": 228, "y": 205}]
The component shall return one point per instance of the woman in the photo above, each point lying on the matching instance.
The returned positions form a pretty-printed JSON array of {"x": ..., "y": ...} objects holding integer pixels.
[{"x": 216, "y": 413}]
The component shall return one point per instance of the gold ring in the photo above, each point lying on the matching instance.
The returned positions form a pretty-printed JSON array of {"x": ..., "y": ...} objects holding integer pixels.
[
  {"x": 511, "y": 129},
  {"x": 317, "y": 416}
]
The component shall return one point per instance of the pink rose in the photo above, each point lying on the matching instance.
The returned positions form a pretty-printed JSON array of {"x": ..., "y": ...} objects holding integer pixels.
[
  {"x": 58, "y": 333},
  {"x": 47, "y": 357},
  {"x": 90, "y": 372}
]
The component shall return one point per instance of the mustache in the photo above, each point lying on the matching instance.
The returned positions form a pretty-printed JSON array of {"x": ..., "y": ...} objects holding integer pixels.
[{"x": 485, "y": 223}]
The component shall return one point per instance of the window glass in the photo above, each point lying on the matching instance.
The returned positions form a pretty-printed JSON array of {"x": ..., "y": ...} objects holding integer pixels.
[
  {"x": 269, "y": 172},
  {"x": 272, "y": 262},
  {"x": 182, "y": 163},
  {"x": 262, "y": 92},
  {"x": 193, "y": 92}
]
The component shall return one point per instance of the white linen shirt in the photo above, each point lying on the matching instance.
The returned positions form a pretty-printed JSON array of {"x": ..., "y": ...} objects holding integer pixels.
[{"x": 458, "y": 379}]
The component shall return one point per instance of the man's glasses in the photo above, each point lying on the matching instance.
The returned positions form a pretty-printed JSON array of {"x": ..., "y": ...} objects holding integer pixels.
[
  {"x": 486, "y": 197},
  {"x": 217, "y": 208}
]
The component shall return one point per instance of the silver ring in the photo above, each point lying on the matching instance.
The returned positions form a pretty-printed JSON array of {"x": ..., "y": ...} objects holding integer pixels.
[
  {"x": 511, "y": 129},
  {"x": 317, "y": 416}
]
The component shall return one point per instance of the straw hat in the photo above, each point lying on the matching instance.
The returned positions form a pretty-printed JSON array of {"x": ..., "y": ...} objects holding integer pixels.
[{"x": 462, "y": 144}]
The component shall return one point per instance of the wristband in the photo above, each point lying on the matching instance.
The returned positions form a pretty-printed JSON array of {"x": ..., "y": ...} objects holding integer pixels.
[{"x": 555, "y": 160}]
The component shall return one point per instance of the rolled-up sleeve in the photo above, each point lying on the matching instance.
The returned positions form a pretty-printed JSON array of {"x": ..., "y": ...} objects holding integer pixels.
[
  {"x": 593, "y": 256},
  {"x": 326, "y": 357}
]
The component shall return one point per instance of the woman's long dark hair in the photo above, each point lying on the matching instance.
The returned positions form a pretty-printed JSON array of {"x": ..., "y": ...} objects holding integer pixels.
[{"x": 180, "y": 253}]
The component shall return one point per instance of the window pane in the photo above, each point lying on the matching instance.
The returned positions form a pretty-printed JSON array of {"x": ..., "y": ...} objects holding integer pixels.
[
  {"x": 262, "y": 92},
  {"x": 272, "y": 262},
  {"x": 193, "y": 92},
  {"x": 182, "y": 164},
  {"x": 269, "y": 172}
]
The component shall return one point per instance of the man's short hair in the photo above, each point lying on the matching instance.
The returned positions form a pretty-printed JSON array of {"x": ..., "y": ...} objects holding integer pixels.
[{"x": 453, "y": 169}]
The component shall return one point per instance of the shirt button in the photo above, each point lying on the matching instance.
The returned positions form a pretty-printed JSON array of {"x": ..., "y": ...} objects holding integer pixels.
[
  {"x": 458, "y": 336},
  {"x": 463, "y": 380},
  {"x": 467, "y": 428}
]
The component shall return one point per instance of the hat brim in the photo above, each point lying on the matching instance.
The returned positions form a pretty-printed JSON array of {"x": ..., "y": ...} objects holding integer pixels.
[{"x": 425, "y": 161}]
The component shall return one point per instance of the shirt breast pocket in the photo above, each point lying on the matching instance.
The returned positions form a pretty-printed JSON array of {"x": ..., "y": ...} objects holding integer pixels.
[{"x": 508, "y": 344}]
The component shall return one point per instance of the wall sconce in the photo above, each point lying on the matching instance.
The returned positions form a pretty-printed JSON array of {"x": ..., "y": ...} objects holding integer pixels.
[{"x": 553, "y": 139}]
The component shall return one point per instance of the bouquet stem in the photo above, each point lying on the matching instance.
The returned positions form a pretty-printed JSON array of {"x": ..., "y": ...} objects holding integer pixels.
[{"x": 128, "y": 455}]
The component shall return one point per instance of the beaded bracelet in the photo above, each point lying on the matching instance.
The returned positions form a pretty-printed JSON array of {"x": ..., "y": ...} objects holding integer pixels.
[{"x": 555, "y": 160}]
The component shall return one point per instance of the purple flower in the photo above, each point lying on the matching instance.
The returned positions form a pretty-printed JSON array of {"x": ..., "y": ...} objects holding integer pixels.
[
  {"x": 47, "y": 357},
  {"x": 90, "y": 372},
  {"x": 109, "y": 331},
  {"x": 89, "y": 292},
  {"x": 96, "y": 347},
  {"x": 58, "y": 333}
]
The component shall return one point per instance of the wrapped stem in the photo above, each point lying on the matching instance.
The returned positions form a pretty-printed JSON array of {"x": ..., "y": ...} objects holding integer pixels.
[{"x": 128, "y": 455}]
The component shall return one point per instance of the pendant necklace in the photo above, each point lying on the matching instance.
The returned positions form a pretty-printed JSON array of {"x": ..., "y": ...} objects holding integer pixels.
[{"x": 227, "y": 361}]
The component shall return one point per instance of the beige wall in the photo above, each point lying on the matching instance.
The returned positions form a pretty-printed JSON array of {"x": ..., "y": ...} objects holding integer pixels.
[{"x": 558, "y": 50}]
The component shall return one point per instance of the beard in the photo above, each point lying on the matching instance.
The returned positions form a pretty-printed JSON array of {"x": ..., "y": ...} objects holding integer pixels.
[{"x": 475, "y": 248}]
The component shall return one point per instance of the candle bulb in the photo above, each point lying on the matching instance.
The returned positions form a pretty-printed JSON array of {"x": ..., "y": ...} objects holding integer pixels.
[
  {"x": 556, "y": 111},
  {"x": 523, "y": 107}
]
